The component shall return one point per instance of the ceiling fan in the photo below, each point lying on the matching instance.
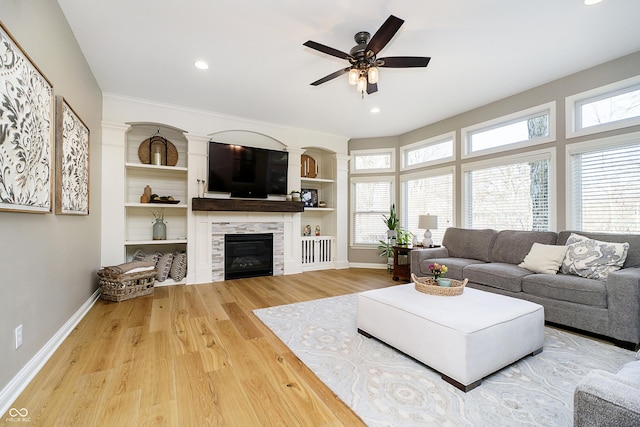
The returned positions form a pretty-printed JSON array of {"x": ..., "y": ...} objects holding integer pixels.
[{"x": 363, "y": 71}]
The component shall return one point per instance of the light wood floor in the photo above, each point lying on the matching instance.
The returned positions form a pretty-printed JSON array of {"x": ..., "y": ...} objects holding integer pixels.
[{"x": 192, "y": 356}]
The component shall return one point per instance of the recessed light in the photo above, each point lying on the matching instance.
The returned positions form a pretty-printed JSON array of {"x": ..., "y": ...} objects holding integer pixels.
[
  {"x": 375, "y": 110},
  {"x": 201, "y": 65},
  {"x": 591, "y": 2}
]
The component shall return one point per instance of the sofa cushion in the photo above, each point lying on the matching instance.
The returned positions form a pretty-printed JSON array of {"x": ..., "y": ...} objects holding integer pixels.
[
  {"x": 544, "y": 258},
  {"x": 564, "y": 287},
  {"x": 592, "y": 258},
  {"x": 633, "y": 255},
  {"x": 496, "y": 275},
  {"x": 468, "y": 243},
  {"x": 511, "y": 246},
  {"x": 455, "y": 266}
]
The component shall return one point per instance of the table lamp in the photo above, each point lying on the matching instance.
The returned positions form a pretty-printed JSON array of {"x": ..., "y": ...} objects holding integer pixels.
[{"x": 427, "y": 222}]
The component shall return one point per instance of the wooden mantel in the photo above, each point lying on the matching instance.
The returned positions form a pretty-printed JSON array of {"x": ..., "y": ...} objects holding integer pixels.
[{"x": 245, "y": 205}]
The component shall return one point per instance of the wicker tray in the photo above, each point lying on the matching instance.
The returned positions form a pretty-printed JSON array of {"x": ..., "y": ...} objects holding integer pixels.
[
  {"x": 428, "y": 285},
  {"x": 126, "y": 286}
]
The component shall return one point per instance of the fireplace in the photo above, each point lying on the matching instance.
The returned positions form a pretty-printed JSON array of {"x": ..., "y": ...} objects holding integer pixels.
[{"x": 248, "y": 255}]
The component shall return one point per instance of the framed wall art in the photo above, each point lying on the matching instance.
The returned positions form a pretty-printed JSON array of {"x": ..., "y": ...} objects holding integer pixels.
[
  {"x": 72, "y": 161},
  {"x": 26, "y": 131},
  {"x": 310, "y": 197}
]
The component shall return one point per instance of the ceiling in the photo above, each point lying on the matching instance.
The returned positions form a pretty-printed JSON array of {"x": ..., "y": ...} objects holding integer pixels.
[{"x": 481, "y": 50}]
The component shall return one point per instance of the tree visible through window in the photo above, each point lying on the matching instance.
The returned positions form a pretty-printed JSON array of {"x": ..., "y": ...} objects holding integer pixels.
[{"x": 512, "y": 196}]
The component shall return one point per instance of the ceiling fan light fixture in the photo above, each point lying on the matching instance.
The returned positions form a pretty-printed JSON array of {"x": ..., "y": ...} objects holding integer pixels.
[
  {"x": 373, "y": 75},
  {"x": 362, "y": 84},
  {"x": 353, "y": 76}
]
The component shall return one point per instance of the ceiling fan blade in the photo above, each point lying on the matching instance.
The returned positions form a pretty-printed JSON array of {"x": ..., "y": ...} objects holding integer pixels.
[
  {"x": 328, "y": 50},
  {"x": 384, "y": 34},
  {"x": 403, "y": 61},
  {"x": 372, "y": 88},
  {"x": 331, "y": 76}
]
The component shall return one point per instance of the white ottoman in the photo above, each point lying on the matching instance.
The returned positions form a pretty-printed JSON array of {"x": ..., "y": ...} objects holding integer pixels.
[{"x": 465, "y": 337}]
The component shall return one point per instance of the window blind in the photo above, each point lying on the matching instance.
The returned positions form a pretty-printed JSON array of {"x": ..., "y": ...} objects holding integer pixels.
[
  {"x": 371, "y": 200},
  {"x": 513, "y": 196},
  {"x": 428, "y": 195},
  {"x": 605, "y": 189}
]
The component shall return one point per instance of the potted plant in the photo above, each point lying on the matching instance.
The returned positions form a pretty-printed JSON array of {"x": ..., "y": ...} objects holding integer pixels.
[
  {"x": 295, "y": 195},
  {"x": 386, "y": 248},
  {"x": 404, "y": 236},
  {"x": 392, "y": 221}
]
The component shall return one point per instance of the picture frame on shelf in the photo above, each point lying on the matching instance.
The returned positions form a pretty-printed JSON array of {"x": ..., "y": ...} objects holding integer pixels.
[
  {"x": 72, "y": 161},
  {"x": 26, "y": 116},
  {"x": 310, "y": 197}
]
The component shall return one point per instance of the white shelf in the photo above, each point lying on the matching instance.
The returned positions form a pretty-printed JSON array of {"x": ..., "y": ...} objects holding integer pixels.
[
  {"x": 142, "y": 166},
  {"x": 157, "y": 205},
  {"x": 155, "y": 242},
  {"x": 317, "y": 180},
  {"x": 169, "y": 281},
  {"x": 319, "y": 209}
]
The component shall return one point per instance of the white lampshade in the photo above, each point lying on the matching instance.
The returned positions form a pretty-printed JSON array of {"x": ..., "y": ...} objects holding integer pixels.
[{"x": 427, "y": 222}]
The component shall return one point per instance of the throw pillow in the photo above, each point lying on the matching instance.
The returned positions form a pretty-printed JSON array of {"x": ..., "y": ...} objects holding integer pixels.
[
  {"x": 164, "y": 267},
  {"x": 545, "y": 259},
  {"x": 179, "y": 266},
  {"x": 592, "y": 258}
]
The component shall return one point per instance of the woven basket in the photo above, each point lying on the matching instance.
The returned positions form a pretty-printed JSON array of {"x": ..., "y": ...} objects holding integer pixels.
[
  {"x": 428, "y": 285},
  {"x": 126, "y": 286}
]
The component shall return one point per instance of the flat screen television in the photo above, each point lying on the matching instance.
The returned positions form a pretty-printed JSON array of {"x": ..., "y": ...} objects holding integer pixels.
[{"x": 247, "y": 171}]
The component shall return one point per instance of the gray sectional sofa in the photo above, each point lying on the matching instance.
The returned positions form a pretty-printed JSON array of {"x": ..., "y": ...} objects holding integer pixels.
[
  {"x": 490, "y": 260},
  {"x": 604, "y": 399}
]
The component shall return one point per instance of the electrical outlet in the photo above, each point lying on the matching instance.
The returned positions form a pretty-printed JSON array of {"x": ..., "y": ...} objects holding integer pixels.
[{"x": 18, "y": 335}]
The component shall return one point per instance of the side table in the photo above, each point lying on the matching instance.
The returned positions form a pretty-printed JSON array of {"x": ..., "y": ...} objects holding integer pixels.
[{"x": 402, "y": 263}]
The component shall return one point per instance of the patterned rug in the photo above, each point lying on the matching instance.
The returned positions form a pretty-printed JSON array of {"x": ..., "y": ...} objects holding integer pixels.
[{"x": 386, "y": 388}]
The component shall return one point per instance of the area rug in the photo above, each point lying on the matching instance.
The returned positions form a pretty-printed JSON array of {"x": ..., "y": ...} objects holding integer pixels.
[{"x": 386, "y": 388}]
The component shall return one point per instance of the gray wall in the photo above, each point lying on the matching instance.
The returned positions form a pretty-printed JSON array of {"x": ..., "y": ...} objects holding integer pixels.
[
  {"x": 47, "y": 261},
  {"x": 557, "y": 90}
]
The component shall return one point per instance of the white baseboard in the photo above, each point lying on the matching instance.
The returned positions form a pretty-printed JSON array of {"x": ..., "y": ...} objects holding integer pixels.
[
  {"x": 367, "y": 265},
  {"x": 12, "y": 390}
]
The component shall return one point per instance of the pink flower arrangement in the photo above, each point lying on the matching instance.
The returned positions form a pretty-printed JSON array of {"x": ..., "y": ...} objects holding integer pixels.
[{"x": 438, "y": 269}]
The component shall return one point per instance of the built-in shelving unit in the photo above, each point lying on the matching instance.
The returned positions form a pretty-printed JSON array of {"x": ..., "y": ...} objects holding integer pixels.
[
  {"x": 164, "y": 180},
  {"x": 318, "y": 250}
]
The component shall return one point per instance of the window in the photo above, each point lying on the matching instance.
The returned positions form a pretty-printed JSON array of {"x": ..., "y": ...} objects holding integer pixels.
[
  {"x": 513, "y": 194},
  {"x": 533, "y": 126},
  {"x": 603, "y": 177},
  {"x": 427, "y": 152},
  {"x": 430, "y": 193},
  {"x": 371, "y": 198},
  {"x": 608, "y": 107},
  {"x": 369, "y": 161}
]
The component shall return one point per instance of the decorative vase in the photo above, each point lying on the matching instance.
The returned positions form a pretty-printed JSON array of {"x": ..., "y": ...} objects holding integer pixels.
[
  {"x": 444, "y": 282},
  {"x": 159, "y": 230}
]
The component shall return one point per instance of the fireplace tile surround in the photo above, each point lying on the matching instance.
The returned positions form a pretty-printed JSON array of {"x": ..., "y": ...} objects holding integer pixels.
[{"x": 218, "y": 231}]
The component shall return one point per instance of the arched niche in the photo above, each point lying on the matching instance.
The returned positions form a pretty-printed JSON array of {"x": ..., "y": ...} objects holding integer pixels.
[{"x": 247, "y": 138}]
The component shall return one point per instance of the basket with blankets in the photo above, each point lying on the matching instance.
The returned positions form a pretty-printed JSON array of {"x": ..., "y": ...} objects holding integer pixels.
[{"x": 128, "y": 280}]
